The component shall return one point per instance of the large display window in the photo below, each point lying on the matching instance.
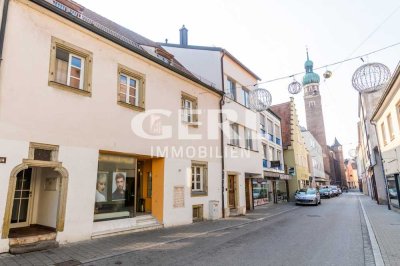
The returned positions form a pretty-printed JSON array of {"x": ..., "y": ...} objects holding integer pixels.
[
  {"x": 392, "y": 190},
  {"x": 260, "y": 192},
  {"x": 115, "y": 187}
]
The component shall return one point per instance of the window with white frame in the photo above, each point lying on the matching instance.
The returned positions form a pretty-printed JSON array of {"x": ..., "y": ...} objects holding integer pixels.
[
  {"x": 130, "y": 88},
  {"x": 265, "y": 148},
  {"x": 231, "y": 89},
  {"x": 390, "y": 126},
  {"x": 199, "y": 177},
  {"x": 70, "y": 66},
  {"x": 270, "y": 129},
  {"x": 262, "y": 125},
  {"x": 249, "y": 139},
  {"x": 271, "y": 153},
  {"x": 383, "y": 131},
  {"x": 246, "y": 97},
  {"x": 234, "y": 134},
  {"x": 398, "y": 113},
  {"x": 278, "y": 155},
  {"x": 189, "y": 107}
]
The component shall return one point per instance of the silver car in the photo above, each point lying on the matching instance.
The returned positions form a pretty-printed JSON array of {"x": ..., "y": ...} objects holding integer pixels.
[{"x": 308, "y": 196}]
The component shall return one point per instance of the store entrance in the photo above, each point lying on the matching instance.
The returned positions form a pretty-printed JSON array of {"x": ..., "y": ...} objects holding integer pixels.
[{"x": 143, "y": 185}]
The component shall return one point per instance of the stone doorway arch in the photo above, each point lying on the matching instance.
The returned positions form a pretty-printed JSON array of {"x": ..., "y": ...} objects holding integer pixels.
[{"x": 63, "y": 186}]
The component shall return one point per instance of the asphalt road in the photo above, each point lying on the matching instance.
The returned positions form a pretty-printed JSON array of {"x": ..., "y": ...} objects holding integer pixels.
[{"x": 330, "y": 234}]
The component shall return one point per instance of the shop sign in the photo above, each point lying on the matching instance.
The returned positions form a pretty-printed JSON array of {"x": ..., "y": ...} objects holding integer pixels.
[{"x": 275, "y": 164}]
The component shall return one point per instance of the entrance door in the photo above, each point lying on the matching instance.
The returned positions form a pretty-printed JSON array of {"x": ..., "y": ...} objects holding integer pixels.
[
  {"x": 232, "y": 191},
  {"x": 22, "y": 199}
]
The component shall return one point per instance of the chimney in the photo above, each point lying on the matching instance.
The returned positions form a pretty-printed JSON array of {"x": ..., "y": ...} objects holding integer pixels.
[{"x": 183, "y": 36}]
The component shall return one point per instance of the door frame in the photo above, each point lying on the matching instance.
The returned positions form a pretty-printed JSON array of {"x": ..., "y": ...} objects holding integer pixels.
[
  {"x": 62, "y": 199},
  {"x": 30, "y": 204},
  {"x": 234, "y": 192}
]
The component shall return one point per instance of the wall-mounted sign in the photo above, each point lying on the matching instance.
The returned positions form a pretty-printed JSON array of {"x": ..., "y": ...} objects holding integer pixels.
[
  {"x": 3, "y": 159},
  {"x": 275, "y": 164}
]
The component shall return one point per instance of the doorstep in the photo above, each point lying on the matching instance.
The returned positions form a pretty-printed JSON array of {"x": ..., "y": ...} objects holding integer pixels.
[{"x": 123, "y": 226}]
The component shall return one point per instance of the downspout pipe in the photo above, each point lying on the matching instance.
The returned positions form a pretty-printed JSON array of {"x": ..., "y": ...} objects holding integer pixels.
[
  {"x": 383, "y": 169},
  {"x": 3, "y": 27},
  {"x": 221, "y": 103}
]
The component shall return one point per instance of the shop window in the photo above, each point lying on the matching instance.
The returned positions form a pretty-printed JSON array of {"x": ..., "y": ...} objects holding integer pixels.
[
  {"x": 260, "y": 192},
  {"x": 392, "y": 191},
  {"x": 199, "y": 175},
  {"x": 70, "y": 67},
  {"x": 197, "y": 213},
  {"x": 131, "y": 88},
  {"x": 115, "y": 187}
]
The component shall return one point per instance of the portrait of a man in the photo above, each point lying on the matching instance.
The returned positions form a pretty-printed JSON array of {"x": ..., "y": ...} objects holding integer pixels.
[{"x": 119, "y": 185}]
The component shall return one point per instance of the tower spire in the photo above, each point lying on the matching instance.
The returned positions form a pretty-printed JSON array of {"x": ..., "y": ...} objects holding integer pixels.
[{"x": 307, "y": 53}]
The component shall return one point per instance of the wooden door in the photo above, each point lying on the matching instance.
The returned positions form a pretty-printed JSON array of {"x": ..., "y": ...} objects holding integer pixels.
[{"x": 232, "y": 191}]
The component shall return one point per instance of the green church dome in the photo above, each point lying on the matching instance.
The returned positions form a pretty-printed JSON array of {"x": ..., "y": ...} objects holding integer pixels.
[{"x": 310, "y": 76}]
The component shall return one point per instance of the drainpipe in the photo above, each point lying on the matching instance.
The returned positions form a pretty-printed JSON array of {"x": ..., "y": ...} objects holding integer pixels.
[
  {"x": 3, "y": 27},
  {"x": 221, "y": 103},
  {"x": 383, "y": 170}
]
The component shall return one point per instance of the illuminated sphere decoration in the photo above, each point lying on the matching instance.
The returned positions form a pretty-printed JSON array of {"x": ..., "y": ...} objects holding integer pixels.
[
  {"x": 327, "y": 74},
  {"x": 370, "y": 77},
  {"x": 260, "y": 99},
  {"x": 294, "y": 87}
]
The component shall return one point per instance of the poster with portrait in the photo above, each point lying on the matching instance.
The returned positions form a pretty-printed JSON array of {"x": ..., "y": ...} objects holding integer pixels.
[
  {"x": 119, "y": 186},
  {"x": 101, "y": 187}
]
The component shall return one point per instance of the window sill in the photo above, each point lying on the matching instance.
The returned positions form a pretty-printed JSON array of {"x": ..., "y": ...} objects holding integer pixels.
[
  {"x": 130, "y": 106},
  {"x": 191, "y": 124},
  {"x": 250, "y": 150},
  {"x": 199, "y": 194},
  {"x": 61, "y": 86},
  {"x": 233, "y": 145}
]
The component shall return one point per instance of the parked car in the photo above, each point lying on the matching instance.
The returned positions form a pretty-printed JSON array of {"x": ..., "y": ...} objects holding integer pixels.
[
  {"x": 325, "y": 192},
  {"x": 334, "y": 190},
  {"x": 392, "y": 193},
  {"x": 308, "y": 196}
]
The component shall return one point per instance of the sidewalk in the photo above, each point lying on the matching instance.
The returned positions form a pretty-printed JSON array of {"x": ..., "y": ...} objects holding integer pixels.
[
  {"x": 386, "y": 226},
  {"x": 89, "y": 251}
]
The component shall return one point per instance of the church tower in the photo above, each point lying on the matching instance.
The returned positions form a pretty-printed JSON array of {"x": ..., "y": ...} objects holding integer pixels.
[{"x": 314, "y": 115}]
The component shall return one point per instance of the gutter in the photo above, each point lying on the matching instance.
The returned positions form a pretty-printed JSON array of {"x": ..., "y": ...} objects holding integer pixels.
[
  {"x": 108, "y": 36},
  {"x": 3, "y": 28},
  {"x": 221, "y": 103}
]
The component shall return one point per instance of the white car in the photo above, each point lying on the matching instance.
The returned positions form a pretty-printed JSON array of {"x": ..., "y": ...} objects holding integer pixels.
[{"x": 308, "y": 196}]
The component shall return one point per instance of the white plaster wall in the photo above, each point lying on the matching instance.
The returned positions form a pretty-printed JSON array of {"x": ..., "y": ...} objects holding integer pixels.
[
  {"x": 84, "y": 125},
  {"x": 48, "y": 200},
  {"x": 205, "y": 63},
  {"x": 177, "y": 172},
  {"x": 81, "y": 164}
]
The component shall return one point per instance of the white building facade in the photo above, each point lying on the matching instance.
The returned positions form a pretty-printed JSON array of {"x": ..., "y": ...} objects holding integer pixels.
[{"x": 100, "y": 134}]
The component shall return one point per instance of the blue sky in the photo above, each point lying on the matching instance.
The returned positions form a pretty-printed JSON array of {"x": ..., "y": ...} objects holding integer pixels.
[{"x": 270, "y": 37}]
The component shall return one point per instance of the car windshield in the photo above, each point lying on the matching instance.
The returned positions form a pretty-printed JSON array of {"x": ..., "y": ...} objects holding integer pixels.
[{"x": 306, "y": 191}]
